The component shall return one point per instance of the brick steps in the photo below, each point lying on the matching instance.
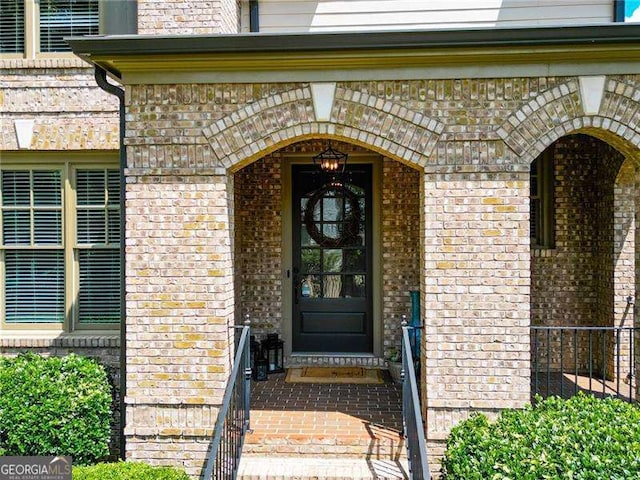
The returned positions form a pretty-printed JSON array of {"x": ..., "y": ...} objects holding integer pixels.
[
  {"x": 324, "y": 431},
  {"x": 320, "y": 468},
  {"x": 376, "y": 443}
]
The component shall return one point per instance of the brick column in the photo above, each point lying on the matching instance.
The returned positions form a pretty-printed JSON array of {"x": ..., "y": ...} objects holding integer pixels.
[
  {"x": 636, "y": 322},
  {"x": 624, "y": 265},
  {"x": 476, "y": 292},
  {"x": 179, "y": 310}
]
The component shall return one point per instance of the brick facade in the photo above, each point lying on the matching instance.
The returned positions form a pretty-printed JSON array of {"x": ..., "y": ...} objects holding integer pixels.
[
  {"x": 454, "y": 156},
  {"x": 187, "y": 17},
  {"x": 60, "y": 95},
  {"x": 179, "y": 313}
]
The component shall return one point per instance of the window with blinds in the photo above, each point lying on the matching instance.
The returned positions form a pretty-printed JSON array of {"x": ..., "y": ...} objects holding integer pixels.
[
  {"x": 59, "y": 257},
  {"x": 66, "y": 18},
  {"x": 12, "y": 26},
  {"x": 541, "y": 201},
  {"x": 98, "y": 245},
  {"x": 33, "y": 251}
]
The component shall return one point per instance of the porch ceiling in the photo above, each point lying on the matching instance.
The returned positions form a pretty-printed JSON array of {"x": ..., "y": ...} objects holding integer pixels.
[{"x": 131, "y": 57}]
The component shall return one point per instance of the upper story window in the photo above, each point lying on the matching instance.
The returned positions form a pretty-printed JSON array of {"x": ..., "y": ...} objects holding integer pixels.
[{"x": 32, "y": 27}]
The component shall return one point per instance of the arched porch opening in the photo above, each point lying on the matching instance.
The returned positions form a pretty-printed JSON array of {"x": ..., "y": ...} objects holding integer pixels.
[
  {"x": 582, "y": 207},
  {"x": 267, "y": 259}
]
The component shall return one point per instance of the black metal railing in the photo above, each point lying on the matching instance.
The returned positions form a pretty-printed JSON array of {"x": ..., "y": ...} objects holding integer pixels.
[
  {"x": 411, "y": 413},
  {"x": 233, "y": 417},
  {"x": 595, "y": 360}
]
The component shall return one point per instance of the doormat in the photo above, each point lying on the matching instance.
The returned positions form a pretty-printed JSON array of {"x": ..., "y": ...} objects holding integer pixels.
[{"x": 334, "y": 375}]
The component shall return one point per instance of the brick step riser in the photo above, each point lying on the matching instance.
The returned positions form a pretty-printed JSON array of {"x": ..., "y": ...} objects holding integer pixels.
[
  {"x": 377, "y": 451},
  {"x": 321, "y": 468}
]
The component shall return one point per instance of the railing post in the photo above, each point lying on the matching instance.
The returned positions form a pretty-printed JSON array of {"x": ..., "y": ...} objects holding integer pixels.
[
  {"x": 413, "y": 425},
  {"x": 404, "y": 324},
  {"x": 247, "y": 375}
]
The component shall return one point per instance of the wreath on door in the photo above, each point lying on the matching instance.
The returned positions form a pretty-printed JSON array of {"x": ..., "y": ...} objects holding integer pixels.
[{"x": 351, "y": 225}]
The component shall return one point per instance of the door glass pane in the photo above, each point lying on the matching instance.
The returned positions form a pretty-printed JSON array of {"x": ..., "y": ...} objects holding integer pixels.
[
  {"x": 361, "y": 236},
  {"x": 331, "y": 230},
  {"x": 354, "y": 286},
  {"x": 310, "y": 260},
  {"x": 305, "y": 238},
  {"x": 303, "y": 208},
  {"x": 332, "y": 209},
  {"x": 332, "y": 260},
  {"x": 310, "y": 286},
  {"x": 332, "y": 286},
  {"x": 354, "y": 260}
]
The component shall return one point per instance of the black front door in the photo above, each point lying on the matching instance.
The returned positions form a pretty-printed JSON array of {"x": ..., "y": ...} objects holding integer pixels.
[{"x": 332, "y": 261}]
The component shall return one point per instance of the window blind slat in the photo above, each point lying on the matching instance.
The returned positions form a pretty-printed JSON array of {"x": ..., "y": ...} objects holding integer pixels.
[
  {"x": 11, "y": 26},
  {"x": 46, "y": 188},
  {"x": 113, "y": 226},
  {"x": 99, "y": 296},
  {"x": 16, "y": 188},
  {"x": 91, "y": 225},
  {"x": 66, "y": 18},
  {"x": 34, "y": 286},
  {"x": 113, "y": 182},
  {"x": 16, "y": 227},
  {"x": 47, "y": 227},
  {"x": 90, "y": 187}
]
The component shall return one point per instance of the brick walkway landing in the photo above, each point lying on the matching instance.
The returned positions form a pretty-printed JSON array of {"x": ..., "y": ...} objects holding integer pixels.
[{"x": 324, "y": 431}]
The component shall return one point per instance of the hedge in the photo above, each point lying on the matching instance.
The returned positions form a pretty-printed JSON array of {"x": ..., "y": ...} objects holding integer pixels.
[
  {"x": 580, "y": 438},
  {"x": 54, "y": 406},
  {"x": 127, "y": 471}
]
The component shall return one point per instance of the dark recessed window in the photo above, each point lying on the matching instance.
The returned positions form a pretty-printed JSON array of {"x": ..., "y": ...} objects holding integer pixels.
[{"x": 542, "y": 231}]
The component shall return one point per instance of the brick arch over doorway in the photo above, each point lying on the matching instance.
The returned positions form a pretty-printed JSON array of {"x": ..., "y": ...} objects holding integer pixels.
[
  {"x": 383, "y": 126},
  {"x": 560, "y": 111}
]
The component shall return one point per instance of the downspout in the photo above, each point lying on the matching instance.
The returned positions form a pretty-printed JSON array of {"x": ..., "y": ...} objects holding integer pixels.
[
  {"x": 254, "y": 16},
  {"x": 101, "y": 80}
]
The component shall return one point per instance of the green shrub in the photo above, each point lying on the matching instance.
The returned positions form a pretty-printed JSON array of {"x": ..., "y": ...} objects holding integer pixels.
[
  {"x": 54, "y": 406},
  {"x": 579, "y": 438},
  {"x": 127, "y": 471}
]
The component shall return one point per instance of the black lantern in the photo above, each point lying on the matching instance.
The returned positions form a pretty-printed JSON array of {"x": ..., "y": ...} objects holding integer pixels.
[
  {"x": 260, "y": 369},
  {"x": 273, "y": 351},
  {"x": 331, "y": 163}
]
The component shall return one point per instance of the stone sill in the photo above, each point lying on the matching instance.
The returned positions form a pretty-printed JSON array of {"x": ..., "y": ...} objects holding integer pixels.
[{"x": 75, "y": 340}]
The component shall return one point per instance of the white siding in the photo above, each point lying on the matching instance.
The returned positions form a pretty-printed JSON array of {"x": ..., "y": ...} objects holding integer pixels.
[{"x": 280, "y": 16}]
